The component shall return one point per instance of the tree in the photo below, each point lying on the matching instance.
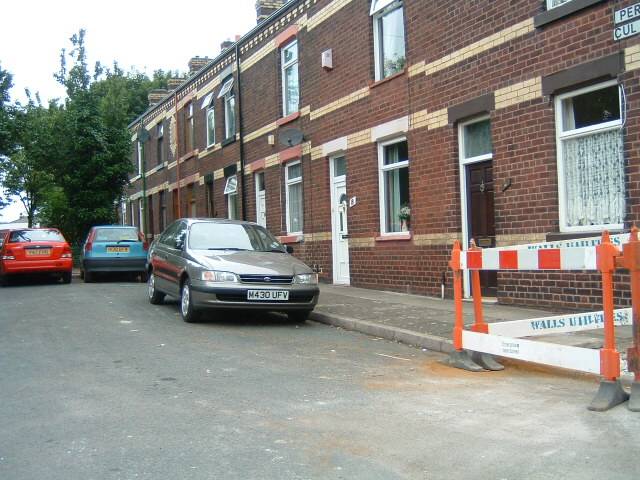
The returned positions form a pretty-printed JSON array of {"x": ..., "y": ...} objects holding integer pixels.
[{"x": 6, "y": 143}]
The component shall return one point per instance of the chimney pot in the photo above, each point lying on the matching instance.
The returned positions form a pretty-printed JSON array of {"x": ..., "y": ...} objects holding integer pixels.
[{"x": 264, "y": 8}]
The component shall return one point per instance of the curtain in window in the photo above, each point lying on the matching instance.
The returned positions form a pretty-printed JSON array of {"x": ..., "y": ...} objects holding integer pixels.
[
  {"x": 295, "y": 207},
  {"x": 594, "y": 179}
]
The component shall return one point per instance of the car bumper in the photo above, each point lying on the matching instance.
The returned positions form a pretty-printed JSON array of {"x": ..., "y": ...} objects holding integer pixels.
[
  {"x": 15, "y": 267},
  {"x": 301, "y": 297},
  {"x": 117, "y": 264}
]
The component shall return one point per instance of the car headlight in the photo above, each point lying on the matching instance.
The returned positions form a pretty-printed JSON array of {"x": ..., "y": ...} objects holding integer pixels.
[
  {"x": 215, "y": 276},
  {"x": 306, "y": 278}
]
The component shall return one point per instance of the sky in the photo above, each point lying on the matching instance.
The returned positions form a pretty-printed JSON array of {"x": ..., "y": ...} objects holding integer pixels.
[{"x": 145, "y": 34}]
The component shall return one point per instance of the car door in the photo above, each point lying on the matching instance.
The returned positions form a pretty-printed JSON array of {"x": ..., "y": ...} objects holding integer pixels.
[
  {"x": 159, "y": 258},
  {"x": 175, "y": 257}
]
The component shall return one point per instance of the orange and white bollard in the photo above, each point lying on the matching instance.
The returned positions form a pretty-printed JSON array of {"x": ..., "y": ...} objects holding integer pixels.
[{"x": 610, "y": 392}]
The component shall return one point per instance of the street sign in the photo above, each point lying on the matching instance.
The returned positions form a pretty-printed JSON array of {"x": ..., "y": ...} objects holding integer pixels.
[{"x": 627, "y": 30}]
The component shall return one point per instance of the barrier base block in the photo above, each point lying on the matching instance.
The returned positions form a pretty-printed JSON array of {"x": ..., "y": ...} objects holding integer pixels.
[
  {"x": 486, "y": 361},
  {"x": 462, "y": 359},
  {"x": 634, "y": 398},
  {"x": 609, "y": 395}
]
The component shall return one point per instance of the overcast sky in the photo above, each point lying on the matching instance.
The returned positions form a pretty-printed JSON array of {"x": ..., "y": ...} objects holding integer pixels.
[{"x": 145, "y": 34}]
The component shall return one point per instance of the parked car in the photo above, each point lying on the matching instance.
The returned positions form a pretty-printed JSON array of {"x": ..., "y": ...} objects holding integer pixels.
[
  {"x": 113, "y": 248},
  {"x": 228, "y": 264},
  {"x": 34, "y": 251}
]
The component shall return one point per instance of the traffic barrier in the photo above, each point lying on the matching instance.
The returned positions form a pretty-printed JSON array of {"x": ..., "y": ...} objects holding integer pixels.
[{"x": 474, "y": 348}]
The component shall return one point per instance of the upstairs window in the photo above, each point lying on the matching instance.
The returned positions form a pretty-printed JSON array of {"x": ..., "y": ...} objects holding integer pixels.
[
  {"x": 388, "y": 37},
  {"x": 160, "y": 144},
  {"x": 189, "y": 130},
  {"x": 226, "y": 93},
  {"x": 290, "y": 83},
  {"x": 208, "y": 104},
  {"x": 591, "y": 178},
  {"x": 140, "y": 157}
]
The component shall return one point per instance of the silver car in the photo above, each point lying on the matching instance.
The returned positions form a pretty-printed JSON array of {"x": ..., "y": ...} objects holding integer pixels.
[{"x": 228, "y": 264}]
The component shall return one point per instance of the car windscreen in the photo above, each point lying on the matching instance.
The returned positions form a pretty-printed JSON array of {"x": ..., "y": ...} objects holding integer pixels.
[
  {"x": 35, "y": 236},
  {"x": 232, "y": 236},
  {"x": 116, "y": 235}
]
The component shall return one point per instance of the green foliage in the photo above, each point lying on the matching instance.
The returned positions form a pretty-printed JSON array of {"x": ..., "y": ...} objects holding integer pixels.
[{"x": 69, "y": 163}]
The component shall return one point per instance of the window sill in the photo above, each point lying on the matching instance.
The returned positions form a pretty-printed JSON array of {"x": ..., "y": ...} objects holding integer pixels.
[
  {"x": 562, "y": 11},
  {"x": 155, "y": 169},
  {"x": 288, "y": 119},
  {"x": 394, "y": 237},
  {"x": 377, "y": 83},
  {"x": 295, "y": 238},
  {"x": 228, "y": 141},
  {"x": 135, "y": 179},
  {"x": 559, "y": 236}
]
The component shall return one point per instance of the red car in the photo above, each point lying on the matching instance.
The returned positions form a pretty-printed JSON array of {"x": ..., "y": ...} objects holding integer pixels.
[{"x": 34, "y": 250}]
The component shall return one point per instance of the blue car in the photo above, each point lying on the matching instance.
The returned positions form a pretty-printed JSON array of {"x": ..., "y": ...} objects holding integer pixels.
[{"x": 114, "y": 248}]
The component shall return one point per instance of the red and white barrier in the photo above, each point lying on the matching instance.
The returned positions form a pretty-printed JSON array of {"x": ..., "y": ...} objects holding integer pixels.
[{"x": 503, "y": 338}]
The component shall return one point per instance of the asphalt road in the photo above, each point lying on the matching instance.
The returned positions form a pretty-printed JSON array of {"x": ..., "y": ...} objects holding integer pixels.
[{"x": 95, "y": 383}]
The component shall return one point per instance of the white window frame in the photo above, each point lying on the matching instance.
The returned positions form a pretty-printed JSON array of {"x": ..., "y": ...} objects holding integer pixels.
[
  {"x": 381, "y": 8},
  {"x": 286, "y": 66},
  {"x": 141, "y": 213},
  {"x": 160, "y": 141},
  {"x": 132, "y": 205},
  {"x": 382, "y": 168},
  {"x": 123, "y": 208},
  {"x": 211, "y": 141},
  {"x": 289, "y": 182},
  {"x": 257, "y": 183},
  {"x": 550, "y": 4},
  {"x": 140, "y": 153},
  {"x": 579, "y": 132},
  {"x": 227, "y": 133},
  {"x": 231, "y": 192}
]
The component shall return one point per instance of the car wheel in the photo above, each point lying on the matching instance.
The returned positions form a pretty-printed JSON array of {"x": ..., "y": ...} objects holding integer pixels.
[
  {"x": 155, "y": 297},
  {"x": 88, "y": 277},
  {"x": 299, "y": 317},
  {"x": 66, "y": 277},
  {"x": 188, "y": 313}
]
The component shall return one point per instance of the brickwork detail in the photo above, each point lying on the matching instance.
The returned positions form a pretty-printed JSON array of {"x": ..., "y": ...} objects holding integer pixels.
[
  {"x": 632, "y": 58},
  {"x": 518, "y": 93},
  {"x": 340, "y": 103},
  {"x": 326, "y": 12}
]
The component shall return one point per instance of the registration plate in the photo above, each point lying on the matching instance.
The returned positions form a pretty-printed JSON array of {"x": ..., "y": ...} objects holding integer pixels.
[
  {"x": 117, "y": 249},
  {"x": 32, "y": 252},
  {"x": 268, "y": 295}
]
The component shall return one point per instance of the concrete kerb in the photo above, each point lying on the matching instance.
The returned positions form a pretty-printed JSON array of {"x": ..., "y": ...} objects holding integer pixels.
[{"x": 408, "y": 337}]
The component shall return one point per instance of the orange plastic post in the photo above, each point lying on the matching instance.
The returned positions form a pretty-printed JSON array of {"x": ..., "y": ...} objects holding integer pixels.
[
  {"x": 631, "y": 252},
  {"x": 478, "y": 325},
  {"x": 609, "y": 356},
  {"x": 457, "y": 295}
]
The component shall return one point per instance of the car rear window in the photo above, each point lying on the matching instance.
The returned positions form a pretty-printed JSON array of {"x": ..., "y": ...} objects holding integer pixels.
[
  {"x": 116, "y": 235},
  {"x": 36, "y": 236},
  {"x": 232, "y": 236}
]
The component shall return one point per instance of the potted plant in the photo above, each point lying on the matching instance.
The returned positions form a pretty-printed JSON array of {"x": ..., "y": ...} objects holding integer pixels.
[{"x": 404, "y": 216}]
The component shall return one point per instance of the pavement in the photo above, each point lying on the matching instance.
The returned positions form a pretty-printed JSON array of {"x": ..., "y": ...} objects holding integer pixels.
[{"x": 427, "y": 322}]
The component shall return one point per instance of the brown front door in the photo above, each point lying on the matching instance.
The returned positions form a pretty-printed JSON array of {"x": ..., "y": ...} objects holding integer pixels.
[{"x": 482, "y": 220}]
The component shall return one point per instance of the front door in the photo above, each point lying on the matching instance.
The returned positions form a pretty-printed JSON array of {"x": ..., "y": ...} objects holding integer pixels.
[
  {"x": 340, "y": 233},
  {"x": 481, "y": 218}
]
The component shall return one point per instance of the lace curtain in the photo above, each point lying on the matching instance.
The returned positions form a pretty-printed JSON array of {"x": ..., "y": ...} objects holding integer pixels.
[{"x": 594, "y": 179}]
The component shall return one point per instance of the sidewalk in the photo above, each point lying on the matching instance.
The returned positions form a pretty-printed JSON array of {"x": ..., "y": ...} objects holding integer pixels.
[{"x": 427, "y": 322}]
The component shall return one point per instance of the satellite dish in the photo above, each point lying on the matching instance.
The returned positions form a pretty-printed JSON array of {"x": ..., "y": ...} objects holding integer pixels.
[{"x": 290, "y": 137}]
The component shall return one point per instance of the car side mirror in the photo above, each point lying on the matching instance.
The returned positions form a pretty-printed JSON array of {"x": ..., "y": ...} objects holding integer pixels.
[{"x": 288, "y": 248}]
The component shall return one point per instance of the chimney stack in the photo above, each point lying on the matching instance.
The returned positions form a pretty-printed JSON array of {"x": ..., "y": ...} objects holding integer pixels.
[
  {"x": 264, "y": 8},
  {"x": 173, "y": 83},
  {"x": 155, "y": 96},
  {"x": 225, "y": 45},
  {"x": 196, "y": 63}
]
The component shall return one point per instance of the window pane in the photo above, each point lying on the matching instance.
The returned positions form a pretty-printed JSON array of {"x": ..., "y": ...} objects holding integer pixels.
[
  {"x": 392, "y": 42},
  {"x": 211, "y": 127},
  {"x": 339, "y": 167},
  {"x": 555, "y": 3},
  {"x": 591, "y": 108},
  {"x": 260, "y": 181},
  {"x": 398, "y": 152},
  {"x": 477, "y": 139},
  {"x": 230, "y": 116},
  {"x": 232, "y": 203},
  {"x": 291, "y": 53},
  {"x": 594, "y": 179},
  {"x": 294, "y": 171},
  {"x": 295, "y": 207},
  {"x": 396, "y": 185},
  {"x": 291, "y": 89}
]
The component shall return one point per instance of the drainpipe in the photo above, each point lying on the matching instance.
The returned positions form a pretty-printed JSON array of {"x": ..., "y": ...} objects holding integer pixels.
[
  {"x": 143, "y": 169},
  {"x": 175, "y": 101},
  {"x": 243, "y": 197}
]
